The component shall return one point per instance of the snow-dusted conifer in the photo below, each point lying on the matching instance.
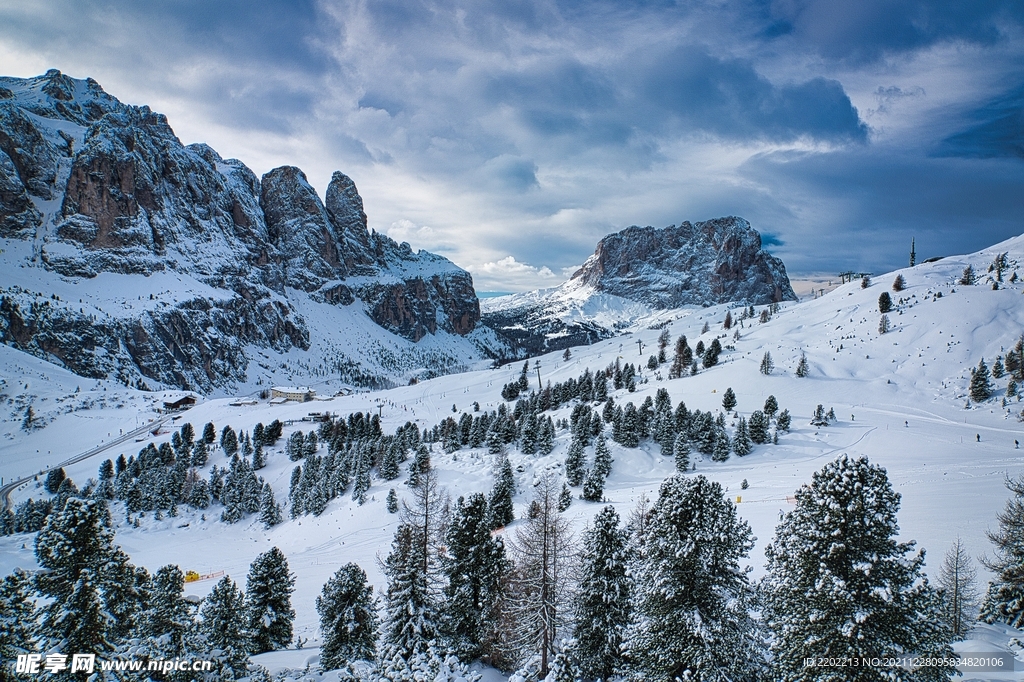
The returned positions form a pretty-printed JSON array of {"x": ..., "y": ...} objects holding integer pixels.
[
  {"x": 224, "y": 624},
  {"x": 17, "y": 617},
  {"x": 473, "y": 566},
  {"x": 681, "y": 452},
  {"x": 500, "y": 509},
  {"x": 268, "y": 601},
  {"x": 981, "y": 385},
  {"x": 602, "y": 606},
  {"x": 840, "y": 585},
  {"x": 692, "y": 598},
  {"x": 1004, "y": 601},
  {"x": 348, "y": 618},
  {"x": 729, "y": 399},
  {"x": 758, "y": 427},
  {"x": 410, "y": 621},
  {"x": 270, "y": 510},
  {"x": 575, "y": 463},
  {"x": 802, "y": 368}
]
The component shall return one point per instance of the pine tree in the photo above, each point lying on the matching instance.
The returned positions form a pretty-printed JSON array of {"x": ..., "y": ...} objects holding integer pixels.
[
  {"x": 758, "y": 426},
  {"x": 348, "y": 618},
  {"x": 729, "y": 400},
  {"x": 998, "y": 371},
  {"x": 602, "y": 607},
  {"x": 200, "y": 453},
  {"x": 899, "y": 284},
  {"x": 17, "y": 618},
  {"x": 29, "y": 421},
  {"x": 771, "y": 406},
  {"x": 602, "y": 458},
  {"x": 884, "y": 302},
  {"x": 474, "y": 567},
  {"x": 210, "y": 433},
  {"x": 224, "y": 624},
  {"x": 1004, "y": 601},
  {"x": 593, "y": 486},
  {"x": 681, "y": 453},
  {"x": 268, "y": 591},
  {"x": 741, "y": 443},
  {"x": 720, "y": 453},
  {"x": 981, "y": 385},
  {"x": 392, "y": 502},
  {"x": 73, "y": 546},
  {"x": 802, "y": 368},
  {"x": 575, "y": 463},
  {"x": 259, "y": 458},
  {"x": 54, "y": 479},
  {"x": 270, "y": 510},
  {"x": 410, "y": 622},
  {"x": 168, "y": 623},
  {"x": 540, "y": 589},
  {"x": 564, "y": 498},
  {"x": 389, "y": 465},
  {"x": 767, "y": 365},
  {"x": 500, "y": 509},
  {"x": 692, "y": 599},
  {"x": 958, "y": 580},
  {"x": 228, "y": 441},
  {"x": 783, "y": 422},
  {"x": 840, "y": 585}
]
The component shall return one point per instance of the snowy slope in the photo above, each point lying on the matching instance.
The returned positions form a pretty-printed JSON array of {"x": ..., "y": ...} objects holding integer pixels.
[{"x": 899, "y": 399}]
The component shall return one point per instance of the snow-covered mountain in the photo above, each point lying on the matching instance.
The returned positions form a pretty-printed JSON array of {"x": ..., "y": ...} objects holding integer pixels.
[
  {"x": 129, "y": 255},
  {"x": 636, "y": 272}
]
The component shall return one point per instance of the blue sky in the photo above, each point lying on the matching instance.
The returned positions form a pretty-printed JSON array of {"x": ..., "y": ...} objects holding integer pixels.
[{"x": 511, "y": 135}]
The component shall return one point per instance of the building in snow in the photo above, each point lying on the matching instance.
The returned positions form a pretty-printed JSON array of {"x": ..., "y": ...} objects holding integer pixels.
[{"x": 300, "y": 394}]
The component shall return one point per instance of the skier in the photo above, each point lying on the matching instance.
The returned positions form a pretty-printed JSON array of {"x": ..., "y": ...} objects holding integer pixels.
[{"x": 978, "y": 436}]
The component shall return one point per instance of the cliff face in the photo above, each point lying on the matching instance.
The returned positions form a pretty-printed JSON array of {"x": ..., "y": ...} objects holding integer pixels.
[
  {"x": 710, "y": 262},
  {"x": 640, "y": 270},
  {"x": 94, "y": 187}
]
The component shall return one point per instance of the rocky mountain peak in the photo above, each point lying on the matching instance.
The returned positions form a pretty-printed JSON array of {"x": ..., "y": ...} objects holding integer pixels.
[{"x": 704, "y": 263}]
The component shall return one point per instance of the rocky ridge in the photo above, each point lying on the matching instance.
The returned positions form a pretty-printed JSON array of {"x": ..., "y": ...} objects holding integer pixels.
[
  {"x": 638, "y": 271},
  {"x": 92, "y": 188}
]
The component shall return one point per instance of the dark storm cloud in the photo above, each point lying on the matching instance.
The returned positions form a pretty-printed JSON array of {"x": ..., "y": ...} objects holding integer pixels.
[
  {"x": 865, "y": 30},
  {"x": 865, "y": 207},
  {"x": 998, "y": 130},
  {"x": 729, "y": 98}
]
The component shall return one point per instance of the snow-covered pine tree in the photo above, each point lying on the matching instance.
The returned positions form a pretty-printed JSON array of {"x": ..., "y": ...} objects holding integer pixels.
[
  {"x": 575, "y": 463},
  {"x": 741, "y": 443},
  {"x": 840, "y": 586},
  {"x": 691, "y": 597},
  {"x": 389, "y": 463},
  {"x": 228, "y": 441},
  {"x": 771, "y": 406},
  {"x": 17, "y": 619},
  {"x": 564, "y": 498},
  {"x": 348, "y": 618},
  {"x": 270, "y": 510},
  {"x": 681, "y": 452},
  {"x": 729, "y": 399},
  {"x": 593, "y": 486},
  {"x": 474, "y": 567},
  {"x": 259, "y": 458},
  {"x": 802, "y": 368},
  {"x": 782, "y": 423},
  {"x": 602, "y": 606},
  {"x": 767, "y": 364},
  {"x": 210, "y": 433},
  {"x": 884, "y": 326},
  {"x": 958, "y": 580},
  {"x": 72, "y": 547},
  {"x": 884, "y": 302},
  {"x": 126, "y": 595},
  {"x": 981, "y": 384},
  {"x": 224, "y": 624},
  {"x": 419, "y": 465},
  {"x": 499, "y": 505},
  {"x": 410, "y": 621},
  {"x": 169, "y": 623},
  {"x": 602, "y": 458},
  {"x": 53, "y": 480},
  {"x": 758, "y": 427},
  {"x": 1004, "y": 601},
  {"x": 540, "y": 590},
  {"x": 723, "y": 445},
  {"x": 268, "y": 602}
]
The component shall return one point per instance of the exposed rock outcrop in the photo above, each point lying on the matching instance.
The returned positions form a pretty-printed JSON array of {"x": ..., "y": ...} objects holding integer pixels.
[
  {"x": 133, "y": 200},
  {"x": 710, "y": 262}
]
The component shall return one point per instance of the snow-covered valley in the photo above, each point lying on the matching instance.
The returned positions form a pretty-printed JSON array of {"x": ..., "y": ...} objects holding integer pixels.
[{"x": 899, "y": 398}]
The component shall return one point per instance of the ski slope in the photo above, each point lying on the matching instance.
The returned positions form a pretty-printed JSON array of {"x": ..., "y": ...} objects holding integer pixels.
[{"x": 899, "y": 398}]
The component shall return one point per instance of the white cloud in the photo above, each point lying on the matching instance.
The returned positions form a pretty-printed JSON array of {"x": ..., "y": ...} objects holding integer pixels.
[
  {"x": 418, "y": 236},
  {"x": 508, "y": 274}
]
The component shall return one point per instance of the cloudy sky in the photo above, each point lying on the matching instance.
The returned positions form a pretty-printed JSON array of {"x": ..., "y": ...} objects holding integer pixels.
[{"x": 511, "y": 135}]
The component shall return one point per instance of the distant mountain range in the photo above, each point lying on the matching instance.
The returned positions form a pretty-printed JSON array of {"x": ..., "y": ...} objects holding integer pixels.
[{"x": 128, "y": 255}]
